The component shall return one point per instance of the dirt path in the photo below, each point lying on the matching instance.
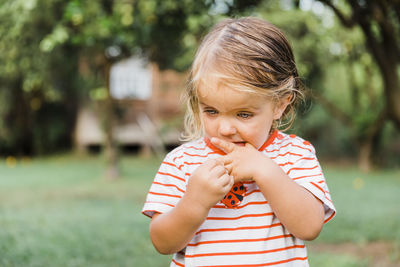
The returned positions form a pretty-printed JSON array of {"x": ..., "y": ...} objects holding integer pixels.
[{"x": 380, "y": 254}]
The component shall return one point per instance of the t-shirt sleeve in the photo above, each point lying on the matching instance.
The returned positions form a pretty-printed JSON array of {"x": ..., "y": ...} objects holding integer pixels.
[
  {"x": 305, "y": 170},
  {"x": 167, "y": 188}
]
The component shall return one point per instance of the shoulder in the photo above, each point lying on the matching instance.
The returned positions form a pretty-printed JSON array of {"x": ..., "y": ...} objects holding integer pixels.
[{"x": 186, "y": 150}]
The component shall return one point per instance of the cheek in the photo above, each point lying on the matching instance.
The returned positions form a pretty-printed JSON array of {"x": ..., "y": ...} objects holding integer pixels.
[
  {"x": 258, "y": 132},
  {"x": 208, "y": 125}
]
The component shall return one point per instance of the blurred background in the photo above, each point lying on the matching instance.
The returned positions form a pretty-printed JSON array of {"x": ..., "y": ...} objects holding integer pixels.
[{"x": 90, "y": 103}]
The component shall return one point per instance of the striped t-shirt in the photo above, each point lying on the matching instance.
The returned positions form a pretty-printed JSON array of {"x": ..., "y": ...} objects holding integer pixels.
[{"x": 250, "y": 234}]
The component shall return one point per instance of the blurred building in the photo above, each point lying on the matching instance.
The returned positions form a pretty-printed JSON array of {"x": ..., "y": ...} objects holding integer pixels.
[{"x": 148, "y": 108}]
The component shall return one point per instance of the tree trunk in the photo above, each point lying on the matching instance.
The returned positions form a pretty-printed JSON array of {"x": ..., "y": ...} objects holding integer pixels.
[
  {"x": 110, "y": 146},
  {"x": 365, "y": 156},
  {"x": 392, "y": 92},
  {"x": 367, "y": 143}
]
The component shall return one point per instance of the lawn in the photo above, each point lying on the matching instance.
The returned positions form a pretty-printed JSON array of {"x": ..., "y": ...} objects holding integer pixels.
[{"x": 60, "y": 211}]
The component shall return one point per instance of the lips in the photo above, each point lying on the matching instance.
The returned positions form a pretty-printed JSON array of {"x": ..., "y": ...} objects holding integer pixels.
[{"x": 242, "y": 143}]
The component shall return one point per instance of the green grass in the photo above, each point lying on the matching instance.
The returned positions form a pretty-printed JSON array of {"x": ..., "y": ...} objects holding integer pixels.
[
  {"x": 334, "y": 260},
  {"x": 368, "y": 206},
  {"x": 60, "y": 211}
]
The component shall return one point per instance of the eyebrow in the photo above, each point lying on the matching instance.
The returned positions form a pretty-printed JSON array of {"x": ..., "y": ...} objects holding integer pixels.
[{"x": 236, "y": 109}]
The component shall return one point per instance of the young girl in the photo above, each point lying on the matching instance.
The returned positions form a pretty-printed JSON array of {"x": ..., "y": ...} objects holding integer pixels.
[{"x": 240, "y": 193}]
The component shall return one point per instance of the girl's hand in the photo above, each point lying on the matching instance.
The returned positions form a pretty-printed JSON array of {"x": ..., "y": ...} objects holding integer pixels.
[
  {"x": 209, "y": 184},
  {"x": 298, "y": 209},
  {"x": 242, "y": 162}
]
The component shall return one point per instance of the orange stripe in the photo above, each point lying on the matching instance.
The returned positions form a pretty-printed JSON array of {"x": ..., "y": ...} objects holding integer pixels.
[
  {"x": 165, "y": 195},
  {"x": 240, "y": 217},
  {"x": 180, "y": 166},
  {"x": 303, "y": 147},
  {"x": 330, "y": 217},
  {"x": 173, "y": 165},
  {"x": 284, "y": 154},
  {"x": 326, "y": 193},
  {"x": 305, "y": 158},
  {"x": 192, "y": 163},
  {"x": 317, "y": 186},
  {"x": 251, "y": 192},
  {"x": 274, "y": 150},
  {"x": 239, "y": 240},
  {"x": 301, "y": 169},
  {"x": 269, "y": 141},
  {"x": 291, "y": 163},
  {"x": 174, "y": 176},
  {"x": 170, "y": 185},
  {"x": 243, "y": 252},
  {"x": 177, "y": 158},
  {"x": 266, "y": 264},
  {"x": 306, "y": 176},
  {"x": 196, "y": 148},
  {"x": 177, "y": 263},
  {"x": 197, "y": 155},
  {"x": 286, "y": 163},
  {"x": 239, "y": 228}
]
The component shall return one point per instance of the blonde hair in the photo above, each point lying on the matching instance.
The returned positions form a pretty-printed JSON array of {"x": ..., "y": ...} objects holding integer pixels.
[{"x": 247, "y": 54}]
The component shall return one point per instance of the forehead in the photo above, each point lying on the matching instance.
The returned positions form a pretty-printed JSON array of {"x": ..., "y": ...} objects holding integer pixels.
[{"x": 224, "y": 97}]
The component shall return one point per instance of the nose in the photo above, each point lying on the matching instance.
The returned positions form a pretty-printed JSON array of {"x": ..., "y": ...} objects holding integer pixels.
[{"x": 226, "y": 127}]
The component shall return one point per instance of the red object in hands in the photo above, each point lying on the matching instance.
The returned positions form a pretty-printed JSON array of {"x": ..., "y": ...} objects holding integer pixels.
[{"x": 234, "y": 196}]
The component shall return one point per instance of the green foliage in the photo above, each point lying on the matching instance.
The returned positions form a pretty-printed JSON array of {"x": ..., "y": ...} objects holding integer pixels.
[
  {"x": 55, "y": 52},
  {"x": 33, "y": 82},
  {"x": 345, "y": 91}
]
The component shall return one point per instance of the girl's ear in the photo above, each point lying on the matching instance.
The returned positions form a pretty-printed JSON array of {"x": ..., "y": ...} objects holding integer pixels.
[{"x": 280, "y": 107}]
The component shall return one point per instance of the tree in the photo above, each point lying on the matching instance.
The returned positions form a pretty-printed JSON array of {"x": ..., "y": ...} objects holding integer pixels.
[
  {"x": 380, "y": 23},
  {"x": 57, "y": 51},
  {"x": 37, "y": 96},
  {"x": 103, "y": 32},
  {"x": 342, "y": 77}
]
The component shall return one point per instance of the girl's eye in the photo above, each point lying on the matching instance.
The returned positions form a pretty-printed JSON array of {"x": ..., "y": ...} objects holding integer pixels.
[
  {"x": 245, "y": 115},
  {"x": 210, "y": 111}
]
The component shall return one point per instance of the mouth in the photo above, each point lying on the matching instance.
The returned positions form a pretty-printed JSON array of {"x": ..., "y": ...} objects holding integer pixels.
[{"x": 241, "y": 143}]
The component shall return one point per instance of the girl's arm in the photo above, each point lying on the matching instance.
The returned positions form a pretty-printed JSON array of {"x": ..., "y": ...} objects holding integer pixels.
[
  {"x": 170, "y": 232},
  {"x": 297, "y": 208}
]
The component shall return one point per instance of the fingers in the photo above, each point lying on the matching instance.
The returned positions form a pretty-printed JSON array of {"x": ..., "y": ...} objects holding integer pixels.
[
  {"x": 212, "y": 163},
  {"x": 222, "y": 171},
  {"x": 224, "y": 160},
  {"x": 227, "y": 182},
  {"x": 227, "y": 147},
  {"x": 218, "y": 171},
  {"x": 229, "y": 168},
  {"x": 221, "y": 177}
]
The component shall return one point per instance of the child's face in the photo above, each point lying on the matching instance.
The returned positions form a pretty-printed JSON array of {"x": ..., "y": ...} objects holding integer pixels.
[{"x": 237, "y": 117}]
